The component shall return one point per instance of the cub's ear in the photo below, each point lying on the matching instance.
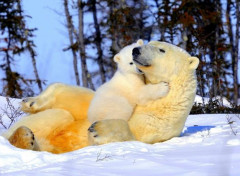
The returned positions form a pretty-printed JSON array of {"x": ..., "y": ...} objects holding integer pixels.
[
  {"x": 140, "y": 42},
  {"x": 116, "y": 58},
  {"x": 193, "y": 62}
]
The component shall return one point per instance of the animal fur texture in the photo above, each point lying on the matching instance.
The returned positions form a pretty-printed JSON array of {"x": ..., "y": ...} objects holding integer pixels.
[
  {"x": 117, "y": 98},
  {"x": 58, "y": 116}
]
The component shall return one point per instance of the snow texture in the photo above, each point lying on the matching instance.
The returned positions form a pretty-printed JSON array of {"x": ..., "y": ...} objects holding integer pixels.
[{"x": 208, "y": 145}]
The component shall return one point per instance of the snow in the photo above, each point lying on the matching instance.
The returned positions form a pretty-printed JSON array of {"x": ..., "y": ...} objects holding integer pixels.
[
  {"x": 208, "y": 145},
  {"x": 205, "y": 100}
]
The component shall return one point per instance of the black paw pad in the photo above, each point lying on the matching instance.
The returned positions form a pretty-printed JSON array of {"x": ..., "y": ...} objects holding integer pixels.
[
  {"x": 31, "y": 104},
  {"x": 91, "y": 128}
]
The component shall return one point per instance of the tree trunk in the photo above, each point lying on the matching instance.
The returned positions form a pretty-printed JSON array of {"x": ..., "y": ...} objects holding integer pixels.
[
  {"x": 113, "y": 37},
  {"x": 161, "y": 26},
  {"x": 233, "y": 49},
  {"x": 70, "y": 35},
  {"x": 86, "y": 77},
  {"x": 235, "y": 68},
  {"x": 218, "y": 54},
  {"x": 32, "y": 53},
  {"x": 98, "y": 41}
]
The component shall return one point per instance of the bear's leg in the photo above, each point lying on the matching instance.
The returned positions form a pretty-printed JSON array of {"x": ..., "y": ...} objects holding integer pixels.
[
  {"x": 42, "y": 101},
  {"x": 24, "y": 138},
  {"x": 111, "y": 130}
]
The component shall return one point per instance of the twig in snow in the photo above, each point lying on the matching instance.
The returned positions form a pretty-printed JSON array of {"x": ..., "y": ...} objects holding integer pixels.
[
  {"x": 11, "y": 112},
  {"x": 99, "y": 158},
  {"x": 231, "y": 122}
]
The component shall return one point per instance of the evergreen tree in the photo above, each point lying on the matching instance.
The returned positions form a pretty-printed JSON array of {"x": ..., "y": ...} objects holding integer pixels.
[{"x": 15, "y": 39}]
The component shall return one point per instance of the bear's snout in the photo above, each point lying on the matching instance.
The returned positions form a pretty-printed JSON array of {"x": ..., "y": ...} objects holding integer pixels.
[{"x": 136, "y": 52}]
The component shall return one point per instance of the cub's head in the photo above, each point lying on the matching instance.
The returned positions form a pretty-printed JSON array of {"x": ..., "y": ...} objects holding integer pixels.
[
  {"x": 124, "y": 58},
  {"x": 161, "y": 61}
]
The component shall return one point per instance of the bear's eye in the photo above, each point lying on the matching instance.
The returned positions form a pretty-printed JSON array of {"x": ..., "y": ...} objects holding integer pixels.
[
  {"x": 131, "y": 63},
  {"x": 162, "y": 50}
]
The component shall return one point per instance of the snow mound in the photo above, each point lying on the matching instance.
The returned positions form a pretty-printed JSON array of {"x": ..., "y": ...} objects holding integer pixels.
[{"x": 209, "y": 145}]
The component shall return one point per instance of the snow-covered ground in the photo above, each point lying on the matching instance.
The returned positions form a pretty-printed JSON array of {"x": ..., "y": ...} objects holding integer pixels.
[{"x": 209, "y": 146}]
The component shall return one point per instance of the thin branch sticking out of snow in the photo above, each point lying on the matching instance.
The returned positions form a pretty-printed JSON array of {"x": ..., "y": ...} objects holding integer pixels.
[
  {"x": 102, "y": 158},
  {"x": 231, "y": 123},
  {"x": 11, "y": 112}
]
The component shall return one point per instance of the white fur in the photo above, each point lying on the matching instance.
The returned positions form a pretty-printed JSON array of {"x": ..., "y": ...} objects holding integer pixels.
[
  {"x": 164, "y": 118},
  {"x": 117, "y": 98}
]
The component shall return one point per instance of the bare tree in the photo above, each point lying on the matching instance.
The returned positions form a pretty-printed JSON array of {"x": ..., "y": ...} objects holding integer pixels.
[
  {"x": 235, "y": 75},
  {"x": 29, "y": 46},
  {"x": 73, "y": 47},
  {"x": 33, "y": 57},
  {"x": 98, "y": 41},
  {"x": 86, "y": 77},
  {"x": 233, "y": 45},
  {"x": 162, "y": 16}
]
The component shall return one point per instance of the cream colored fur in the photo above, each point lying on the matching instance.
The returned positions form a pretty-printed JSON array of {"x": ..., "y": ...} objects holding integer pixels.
[
  {"x": 58, "y": 118},
  {"x": 117, "y": 98},
  {"x": 59, "y": 114},
  {"x": 164, "y": 118}
]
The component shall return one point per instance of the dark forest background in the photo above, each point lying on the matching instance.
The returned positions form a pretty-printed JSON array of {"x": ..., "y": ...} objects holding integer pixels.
[{"x": 208, "y": 29}]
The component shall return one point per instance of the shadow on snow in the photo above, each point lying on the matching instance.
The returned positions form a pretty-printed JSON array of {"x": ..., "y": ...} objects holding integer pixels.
[{"x": 195, "y": 129}]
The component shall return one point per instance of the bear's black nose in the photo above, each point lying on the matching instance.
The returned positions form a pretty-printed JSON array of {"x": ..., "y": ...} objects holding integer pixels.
[{"x": 135, "y": 52}]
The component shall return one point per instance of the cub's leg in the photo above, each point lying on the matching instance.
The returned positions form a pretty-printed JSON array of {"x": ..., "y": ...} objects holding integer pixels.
[
  {"x": 24, "y": 138},
  {"x": 111, "y": 130}
]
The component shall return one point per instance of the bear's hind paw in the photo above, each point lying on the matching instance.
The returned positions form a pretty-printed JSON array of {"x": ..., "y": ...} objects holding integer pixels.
[{"x": 24, "y": 138}]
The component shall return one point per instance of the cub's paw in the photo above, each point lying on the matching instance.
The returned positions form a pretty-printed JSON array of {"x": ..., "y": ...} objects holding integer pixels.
[
  {"x": 111, "y": 130},
  {"x": 31, "y": 104},
  {"x": 163, "y": 89},
  {"x": 24, "y": 138}
]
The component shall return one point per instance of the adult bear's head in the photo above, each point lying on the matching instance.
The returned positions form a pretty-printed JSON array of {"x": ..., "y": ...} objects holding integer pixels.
[{"x": 161, "y": 61}]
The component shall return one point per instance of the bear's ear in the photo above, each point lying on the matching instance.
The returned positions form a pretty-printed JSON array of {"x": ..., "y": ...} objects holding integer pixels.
[
  {"x": 193, "y": 62},
  {"x": 116, "y": 58},
  {"x": 140, "y": 42}
]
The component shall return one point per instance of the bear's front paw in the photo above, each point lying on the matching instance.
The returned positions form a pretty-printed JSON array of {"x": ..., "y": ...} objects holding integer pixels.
[
  {"x": 31, "y": 104},
  {"x": 24, "y": 138},
  {"x": 111, "y": 130}
]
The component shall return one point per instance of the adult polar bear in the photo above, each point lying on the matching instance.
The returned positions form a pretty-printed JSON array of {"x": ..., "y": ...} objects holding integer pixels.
[{"x": 59, "y": 114}]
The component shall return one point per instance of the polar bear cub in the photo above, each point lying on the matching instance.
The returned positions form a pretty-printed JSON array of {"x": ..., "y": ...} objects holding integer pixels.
[{"x": 117, "y": 98}]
